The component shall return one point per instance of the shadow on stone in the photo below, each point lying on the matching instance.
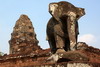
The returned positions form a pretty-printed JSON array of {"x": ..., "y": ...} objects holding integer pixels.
[{"x": 63, "y": 60}]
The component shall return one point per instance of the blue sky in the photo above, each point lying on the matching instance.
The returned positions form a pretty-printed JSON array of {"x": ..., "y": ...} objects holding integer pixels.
[{"x": 37, "y": 11}]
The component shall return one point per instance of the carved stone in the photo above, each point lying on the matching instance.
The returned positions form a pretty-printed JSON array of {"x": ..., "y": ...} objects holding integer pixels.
[
  {"x": 23, "y": 38},
  {"x": 67, "y": 56},
  {"x": 62, "y": 28}
]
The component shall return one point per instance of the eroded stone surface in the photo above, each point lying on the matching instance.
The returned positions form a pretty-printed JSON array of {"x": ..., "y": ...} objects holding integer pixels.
[
  {"x": 68, "y": 56},
  {"x": 62, "y": 28},
  {"x": 23, "y": 38},
  {"x": 39, "y": 58}
]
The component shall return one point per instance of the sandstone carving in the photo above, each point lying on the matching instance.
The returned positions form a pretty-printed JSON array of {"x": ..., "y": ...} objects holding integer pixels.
[
  {"x": 62, "y": 31},
  {"x": 62, "y": 28},
  {"x": 23, "y": 38}
]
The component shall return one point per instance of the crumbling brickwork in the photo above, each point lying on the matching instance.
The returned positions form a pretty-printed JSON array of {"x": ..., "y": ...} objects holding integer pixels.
[
  {"x": 25, "y": 52},
  {"x": 39, "y": 59},
  {"x": 23, "y": 38}
]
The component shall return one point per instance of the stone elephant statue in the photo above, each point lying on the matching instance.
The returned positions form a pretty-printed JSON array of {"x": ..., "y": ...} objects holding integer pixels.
[
  {"x": 62, "y": 28},
  {"x": 57, "y": 36}
]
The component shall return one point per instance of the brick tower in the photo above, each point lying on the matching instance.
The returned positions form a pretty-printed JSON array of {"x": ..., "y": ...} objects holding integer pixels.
[{"x": 23, "y": 38}]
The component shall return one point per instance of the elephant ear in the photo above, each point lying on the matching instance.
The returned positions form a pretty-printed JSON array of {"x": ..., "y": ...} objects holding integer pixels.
[
  {"x": 56, "y": 14},
  {"x": 55, "y": 11},
  {"x": 80, "y": 12}
]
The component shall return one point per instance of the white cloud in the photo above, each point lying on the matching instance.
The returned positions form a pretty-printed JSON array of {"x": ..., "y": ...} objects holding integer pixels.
[{"x": 88, "y": 38}]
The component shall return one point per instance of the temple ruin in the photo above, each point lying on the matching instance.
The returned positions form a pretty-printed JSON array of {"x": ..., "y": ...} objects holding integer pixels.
[
  {"x": 23, "y": 38},
  {"x": 25, "y": 51}
]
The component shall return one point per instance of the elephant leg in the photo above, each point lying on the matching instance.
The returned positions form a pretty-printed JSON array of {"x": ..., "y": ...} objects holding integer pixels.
[
  {"x": 52, "y": 45},
  {"x": 67, "y": 44},
  {"x": 59, "y": 37},
  {"x": 59, "y": 42},
  {"x": 71, "y": 20}
]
